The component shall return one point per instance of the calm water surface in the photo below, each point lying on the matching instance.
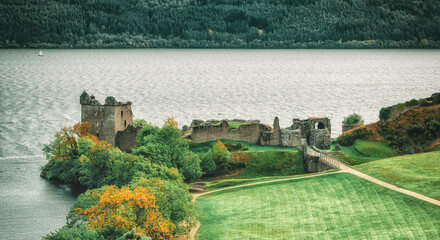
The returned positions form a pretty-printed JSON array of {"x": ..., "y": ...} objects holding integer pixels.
[{"x": 39, "y": 95}]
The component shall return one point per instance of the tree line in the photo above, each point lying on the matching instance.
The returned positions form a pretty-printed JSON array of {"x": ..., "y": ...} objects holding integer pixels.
[{"x": 220, "y": 23}]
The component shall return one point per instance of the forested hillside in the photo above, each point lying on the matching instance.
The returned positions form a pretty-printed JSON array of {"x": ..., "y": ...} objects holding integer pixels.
[{"x": 220, "y": 23}]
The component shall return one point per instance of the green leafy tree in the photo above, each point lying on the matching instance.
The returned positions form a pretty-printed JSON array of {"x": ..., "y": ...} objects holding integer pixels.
[
  {"x": 80, "y": 231},
  {"x": 221, "y": 156},
  {"x": 353, "y": 119},
  {"x": 173, "y": 198},
  {"x": 166, "y": 146},
  {"x": 207, "y": 164}
]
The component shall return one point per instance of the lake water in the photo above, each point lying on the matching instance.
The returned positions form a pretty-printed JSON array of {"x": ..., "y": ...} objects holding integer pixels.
[{"x": 39, "y": 95}]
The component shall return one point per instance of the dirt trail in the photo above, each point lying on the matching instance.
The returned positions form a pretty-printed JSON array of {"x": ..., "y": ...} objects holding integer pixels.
[{"x": 392, "y": 187}]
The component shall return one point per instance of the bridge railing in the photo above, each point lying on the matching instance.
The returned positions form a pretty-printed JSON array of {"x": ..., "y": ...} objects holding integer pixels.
[{"x": 324, "y": 157}]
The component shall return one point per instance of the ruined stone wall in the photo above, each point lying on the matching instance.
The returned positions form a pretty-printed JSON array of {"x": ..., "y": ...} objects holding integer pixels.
[
  {"x": 302, "y": 125},
  {"x": 396, "y": 112},
  {"x": 271, "y": 138},
  {"x": 123, "y": 117},
  {"x": 246, "y": 132},
  {"x": 320, "y": 138},
  {"x": 106, "y": 120},
  {"x": 291, "y": 138},
  {"x": 320, "y": 123},
  {"x": 101, "y": 119},
  {"x": 316, "y": 130},
  {"x": 126, "y": 139}
]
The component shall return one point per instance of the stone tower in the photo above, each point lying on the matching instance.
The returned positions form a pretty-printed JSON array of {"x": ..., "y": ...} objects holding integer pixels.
[{"x": 106, "y": 120}]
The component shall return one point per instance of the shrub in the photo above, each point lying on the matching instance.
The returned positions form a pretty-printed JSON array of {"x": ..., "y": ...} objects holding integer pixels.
[
  {"x": 218, "y": 161},
  {"x": 349, "y": 138},
  {"x": 353, "y": 119},
  {"x": 272, "y": 163},
  {"x": 80, "y": 231},
  {"x": 415, "y": 130},
  {"x": 385, "y": 113},
  {"x": 207, "y": 164},
  {"x": 413, "y": 102},
  {"x": 220, "y": 155},
  {"x": 140, "y": 122},
  {"x": 423, "y": 102},
  {"x": 434, "y": 129}
]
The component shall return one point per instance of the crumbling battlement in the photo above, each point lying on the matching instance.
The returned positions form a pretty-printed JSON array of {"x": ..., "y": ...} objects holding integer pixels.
[{"x": 108, "y": 119}]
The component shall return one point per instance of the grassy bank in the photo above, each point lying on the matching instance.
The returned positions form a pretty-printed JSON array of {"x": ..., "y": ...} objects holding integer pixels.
[
  {"x": 251, "y": 147},
  {"x": 339, "y": 206},
  {"x": 270, "y": 163},
  {"x": 365, "y": 151},
  {"x": 417, "y": 172},
  {"x": 214, "y": 184}
]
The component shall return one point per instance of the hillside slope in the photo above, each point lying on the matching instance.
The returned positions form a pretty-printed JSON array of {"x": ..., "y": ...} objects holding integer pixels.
[
  {"x": 414, "y": 130},
  {"x": 416, "y": 172},
  {"x": 220, "y": 23}
]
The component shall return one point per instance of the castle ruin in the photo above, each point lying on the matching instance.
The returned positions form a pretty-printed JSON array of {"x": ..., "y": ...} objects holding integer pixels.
[
  {"x": 317, "y": 131},
  {"x": 111, "y": 122}
]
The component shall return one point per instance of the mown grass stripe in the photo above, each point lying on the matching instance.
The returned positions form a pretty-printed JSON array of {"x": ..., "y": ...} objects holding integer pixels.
[{"x": 337, "y": 206}]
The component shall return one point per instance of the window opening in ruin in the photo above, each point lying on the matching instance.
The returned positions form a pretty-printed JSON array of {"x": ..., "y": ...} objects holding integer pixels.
[
  {"x": 321, "y": 125},
  {"x": 122, "y": 114},
  {"x": 97, "y": 134},
  {"x": 125, "y": 123},
  {"x": 96, "y": 114},
  {"x": 97, "y": 123}
]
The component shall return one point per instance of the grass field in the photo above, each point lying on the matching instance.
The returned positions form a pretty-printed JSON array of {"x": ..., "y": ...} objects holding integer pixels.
[
  {"x": 252, "y": 147},
  {"x": 214, "y": 184},
  {"x": 416, "y": 172},
  {"x": 337, "y": 206},
  {"x": 365, "y": 151}
]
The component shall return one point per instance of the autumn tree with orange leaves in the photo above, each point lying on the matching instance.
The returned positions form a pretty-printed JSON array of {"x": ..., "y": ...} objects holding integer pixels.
[
  {"x": 122, "y": 210},
  {"x": 63, "y": 152},
  {"x": 134, "y": 197}
]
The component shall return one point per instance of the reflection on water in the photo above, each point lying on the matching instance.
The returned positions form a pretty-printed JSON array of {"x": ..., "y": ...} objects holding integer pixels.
[{"x": 41, "y": 94}]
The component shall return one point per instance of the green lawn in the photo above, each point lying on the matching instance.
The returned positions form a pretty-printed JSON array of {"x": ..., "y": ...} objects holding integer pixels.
[
  {"x": 416, "y": 172},
  {"x": 214, "y": 184},
  {"x": 365, "y": 151},
  {"x": 252, "y": 147},
  {"x": 336, "y": 206}
]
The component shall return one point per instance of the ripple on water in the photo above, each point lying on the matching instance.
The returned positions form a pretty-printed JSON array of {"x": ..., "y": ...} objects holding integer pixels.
[{"x": 40, "y": 95}]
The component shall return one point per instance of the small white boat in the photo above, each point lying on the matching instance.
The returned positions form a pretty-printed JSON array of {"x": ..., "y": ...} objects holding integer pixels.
[{"x": 40, "y": 54}]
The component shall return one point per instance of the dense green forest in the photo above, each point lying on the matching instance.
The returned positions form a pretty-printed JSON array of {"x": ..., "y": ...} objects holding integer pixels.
[{"x": 220, "y": 23}]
